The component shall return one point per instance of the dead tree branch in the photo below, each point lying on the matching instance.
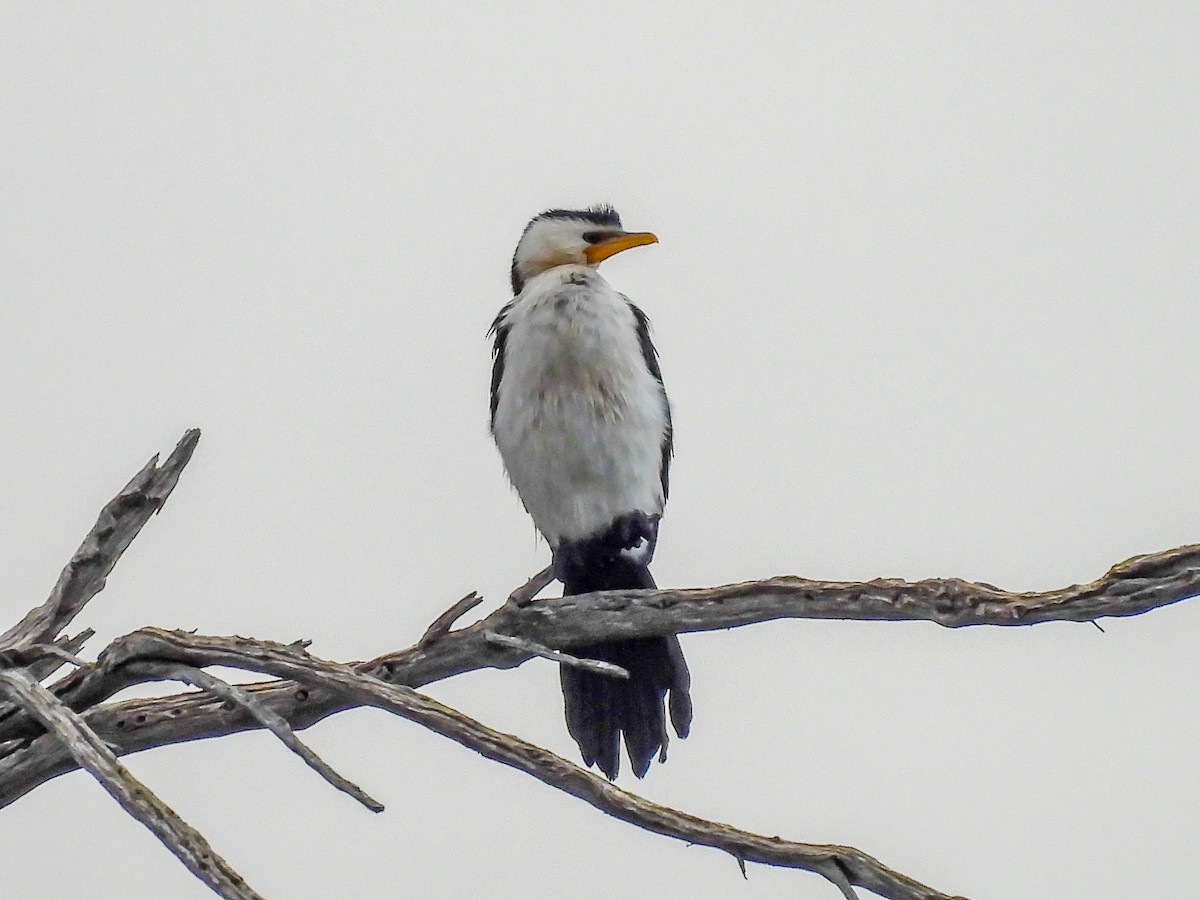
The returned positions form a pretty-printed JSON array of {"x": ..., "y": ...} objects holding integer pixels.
[
  {"x": 441, "y": 626},
  {"x": 600, "y": 667},
  {"x": 841, "y": 865},
  {"x": 155, "y": 669},
  {"x": 34, "y": 744},
  {"x": 139, "y": 801},
  {"x": 119, "y": 523},
  {"x": 1129, "y": 588}
]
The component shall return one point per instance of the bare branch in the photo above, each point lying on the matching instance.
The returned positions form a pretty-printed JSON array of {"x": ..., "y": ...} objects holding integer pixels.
[
  {"x": 119, "y": 523},
  {"x": 58, "y": 651},
  {"x": 442, "y": 624},
  {"x": 291, "y": 661},
  {"x": 599, "y": 666},
  {"x": 150, "y": 650},
  {"x": 835, "y": 873},
  {"x": 43, "y": 733},
  {"x": 852, "y": 866},
  {"x": 1129, "y": 588},
  {"x": 42, "y": 660},
  {"x": 857, "y": 867},
  {"x": 524, "y": 595},
  {"x": 46, "y": 666},
  {"x": 69, "y": 741},
  {"x": 43, "y": 665},
  {"x": 91, "y": 753},
  {"x": 270, "y": 720}
]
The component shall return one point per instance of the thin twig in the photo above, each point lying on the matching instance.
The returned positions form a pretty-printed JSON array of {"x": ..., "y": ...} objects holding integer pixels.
[
  {"x": 270, "y": 720},
  {"x": 524, "y": 595},
  {"x": 64, "y": 655},
  {"x": 441, "y": 625},
  {"x": 138, "y": 800},
  {"x": 46, "y": 666},
  {"x": 599, "y": 666},
  {"x": 43, "y": 666}
]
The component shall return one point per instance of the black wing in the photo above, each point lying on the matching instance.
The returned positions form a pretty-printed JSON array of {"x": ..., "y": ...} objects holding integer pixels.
[
  {"x": 498, "y": 331},
  {"x": 650, "y": 355}
]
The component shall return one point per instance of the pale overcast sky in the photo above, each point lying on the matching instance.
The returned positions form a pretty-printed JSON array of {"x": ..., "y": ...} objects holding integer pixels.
[{"x": 928, "y": 303}]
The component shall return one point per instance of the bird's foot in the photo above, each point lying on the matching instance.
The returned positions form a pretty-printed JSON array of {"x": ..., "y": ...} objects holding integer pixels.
[
  {"x": 628, "y": 531},
  {"x": 635, "y": 531}
]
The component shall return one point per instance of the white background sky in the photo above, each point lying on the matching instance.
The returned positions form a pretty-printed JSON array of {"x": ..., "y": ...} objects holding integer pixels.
[{"x": 928, "y": 302}]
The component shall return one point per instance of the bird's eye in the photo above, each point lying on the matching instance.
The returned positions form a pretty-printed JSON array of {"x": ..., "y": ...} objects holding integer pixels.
[{"x": 595, "y": 237}]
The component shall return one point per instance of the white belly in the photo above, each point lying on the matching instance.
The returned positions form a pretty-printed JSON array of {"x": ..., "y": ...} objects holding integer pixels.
[{"x": 580, "y": 420}]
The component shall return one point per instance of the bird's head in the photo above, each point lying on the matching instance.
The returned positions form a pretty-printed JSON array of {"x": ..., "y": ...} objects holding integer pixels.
[{"x": 566, "y": 237}]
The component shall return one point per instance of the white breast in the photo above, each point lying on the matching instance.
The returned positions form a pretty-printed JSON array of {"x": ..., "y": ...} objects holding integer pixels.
[{"x": 580, "y": 420}]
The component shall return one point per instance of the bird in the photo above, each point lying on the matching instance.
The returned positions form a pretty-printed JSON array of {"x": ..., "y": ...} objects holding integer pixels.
[{"x": 582, "y": 422}]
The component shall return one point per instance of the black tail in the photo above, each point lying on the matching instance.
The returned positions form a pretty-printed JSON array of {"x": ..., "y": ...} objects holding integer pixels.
[{"x": 598, "y": 707}]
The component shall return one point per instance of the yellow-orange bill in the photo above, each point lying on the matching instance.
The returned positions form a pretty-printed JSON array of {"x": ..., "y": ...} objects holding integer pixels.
[{"x": 597, "y": 252}]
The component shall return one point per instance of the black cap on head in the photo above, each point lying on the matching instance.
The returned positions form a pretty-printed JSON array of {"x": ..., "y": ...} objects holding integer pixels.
[{"x": 603, "y": 215}]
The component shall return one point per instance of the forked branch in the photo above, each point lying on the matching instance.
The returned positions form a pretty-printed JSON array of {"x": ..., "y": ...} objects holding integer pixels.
[
  {"x": 135, "y": 798},
  {"x": 42, "y": 731},
  {"x": 119, "y": 523},
  {"x": 841, "y": 865},
  {"x": 1129, "y": 588}
]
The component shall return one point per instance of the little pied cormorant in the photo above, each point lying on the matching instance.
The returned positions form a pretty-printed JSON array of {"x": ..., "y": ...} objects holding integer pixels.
[{"x": 582, "y": 422}]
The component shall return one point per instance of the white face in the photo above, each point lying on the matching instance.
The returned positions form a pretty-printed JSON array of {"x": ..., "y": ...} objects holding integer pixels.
[
  {"x": 560, "y": 238},
  {"x": 554, "y": 242}
]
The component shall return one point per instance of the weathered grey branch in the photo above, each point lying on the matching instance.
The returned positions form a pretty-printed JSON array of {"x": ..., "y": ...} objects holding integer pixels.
[
  {"x": 272, "y": 721},
  {"x": 61, "y": 653},
  {"x": 1129, "y": 588},
  {"x": 835, "y": 873},
  {"x": 843, "y": 866},
  {"x": 524, "y": 595},
  {"x": 599, "y": 666},
  {"x": 43, "y": 663},
  {"x": 119, "y": 523},
  {"x": 852, "y": 866},
  {"x": 441, "y": 626},
  {"x": 48, "y": 664},
  {"x": 91, "y": 753},
  {"x": 34, "y": 746}
]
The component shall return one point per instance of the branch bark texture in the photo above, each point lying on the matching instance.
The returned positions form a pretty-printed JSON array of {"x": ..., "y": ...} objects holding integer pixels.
[
  {"x": 1129, "y": 588},
  {"x": 135, "y": 798},
  {"x": 42, "y": 733},
  {"x": 119, "y": 523}
]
